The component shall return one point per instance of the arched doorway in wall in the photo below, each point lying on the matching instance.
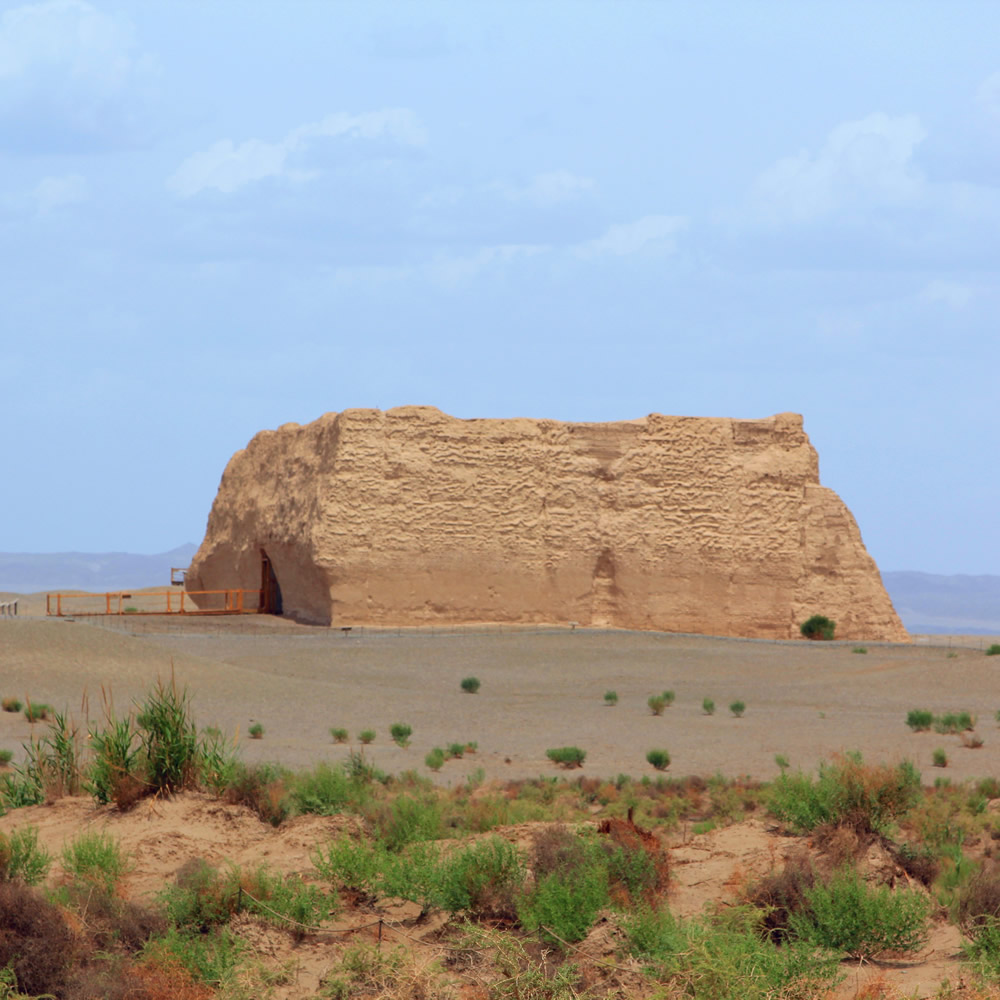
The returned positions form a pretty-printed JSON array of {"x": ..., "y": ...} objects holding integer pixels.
[{"x": 269, "y": 586}]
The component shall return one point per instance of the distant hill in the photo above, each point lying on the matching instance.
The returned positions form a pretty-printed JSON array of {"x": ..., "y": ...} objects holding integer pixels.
[
  {"x": 28, "y": 573},
  {"x": 927, "y": 602}
]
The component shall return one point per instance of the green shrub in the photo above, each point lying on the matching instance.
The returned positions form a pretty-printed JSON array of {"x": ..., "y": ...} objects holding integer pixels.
[
  {"x": 919, "y": 720},
  {"x": 113, "y": 775},
  {"x": 668, "y": 697},
  {"x": 726, "y": 955},
  {"x": 326, "y": 790},
  {"x": 864, "y": 921},
  {"x": 993, "y": 650},
  {"x": 456, "y": 750},
  {"x": 262, "y": 788},
  {"x": 818, "y": 627},
  {"x": 96, "y": 859},
  {"x": 470, "y": 685},
  {"x": 338, "y": 735},
  {"x": 435, "y": 759},
  {"x": 660, "y": 759},
  {"x": 406, "y": 819},
  {"x": 169, "y": 739},
  {"x": 939, "y": 758},
  {"x": 611, "y": 698},
  {"x": 22, "y": 858},
  {"x": 782, "y": 761},
  {"x": 657, "y": 703},
  {"x": 564, "y": 905},
  {"x": 400, "y": 733},
  {"x": 52, "y": 761},
  {"x": 738, "y": 708},
  {"x": 954, "y": 722},
  {"x": 211, "y": 958},
  {"x": 567, "y": 757},
  {"x": 256, "y": 731},
  {"x": 6, "y": 756},
  {"x": 36, "y": 711},
  {"x": 482, "y": 879},
  {"x": 708, "y": 706},
  {"x": 367, "y": 736},
  {"x": 860, "y": 649},
  {"x": 11, "y": 704},
  {"x": 867, "y": 798}
]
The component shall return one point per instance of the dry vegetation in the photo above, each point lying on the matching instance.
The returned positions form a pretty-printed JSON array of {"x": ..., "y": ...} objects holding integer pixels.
[{"x": 143, "y": 856}]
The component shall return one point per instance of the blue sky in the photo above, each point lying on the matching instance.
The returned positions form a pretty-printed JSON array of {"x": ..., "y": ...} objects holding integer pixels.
[{"x": 217, "y": 218}]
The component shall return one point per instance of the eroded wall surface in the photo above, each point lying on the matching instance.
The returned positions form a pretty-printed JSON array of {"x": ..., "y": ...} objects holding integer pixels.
[{"x": 410, "y": 516}]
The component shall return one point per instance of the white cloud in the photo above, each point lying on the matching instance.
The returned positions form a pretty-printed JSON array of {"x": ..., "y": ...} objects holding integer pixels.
[
  {"x": 54, "y": 192},
  {"x": 951, "y": 293},
  {"x": 653, "y": 232},
  {"x": 227, "y": 166},
  {"x": 68, "y": 73},
  {"x": 861, "y": 163},
  {"x": 550, "y": 188},
  {"x": 449, "y": 270}
]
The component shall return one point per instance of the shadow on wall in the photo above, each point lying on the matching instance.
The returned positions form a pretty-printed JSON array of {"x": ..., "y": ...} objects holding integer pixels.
[{"x": 270, "y": 586}]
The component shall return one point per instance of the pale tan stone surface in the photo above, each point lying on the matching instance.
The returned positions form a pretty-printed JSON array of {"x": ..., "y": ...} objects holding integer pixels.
[{"x": 410, "y": 516}]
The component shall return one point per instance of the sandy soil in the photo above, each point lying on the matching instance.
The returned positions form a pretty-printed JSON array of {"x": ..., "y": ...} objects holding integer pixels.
[{"x": 540, "y": 688}]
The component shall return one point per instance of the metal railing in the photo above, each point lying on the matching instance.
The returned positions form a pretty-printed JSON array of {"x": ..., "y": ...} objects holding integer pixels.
[{"x": 167, "y": 602}]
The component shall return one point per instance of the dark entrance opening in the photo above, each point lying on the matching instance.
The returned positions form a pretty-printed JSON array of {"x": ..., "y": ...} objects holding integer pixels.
[{"x": 270, "y": 589}]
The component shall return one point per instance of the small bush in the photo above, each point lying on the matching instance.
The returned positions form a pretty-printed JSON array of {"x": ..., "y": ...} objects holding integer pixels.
[
  {"x": 738, "y": 708},
  {"x": 939, "y": 758},
  {"x": 256, "y": 731},
  {"x": 668, "y": 697},
  {"x": 866, "y": 798},
  {"x": 21, "y": 857},
  {"x": 657, "y": 703},
  {"x": 262, "y": 788},
  {"x": 169, "y": 739},
  {"x": 971, "y": 741},
  {"x": 37, "y": 711},
  {"x": 954, "y": 722},
  {"x": 564, "y": 904},
  {"x": 611, "y": 698},
  {"x": 660, "y": 759},
  {"x": 708, "y": 706},
  {"x": 993, "y": 650},
  {"x": 782, "y": 761},
  {"x": 567, "y": 757},
  {"x": 435, "y": 759},
  {"x": 6, "y": 756},
  {"x": 11, "y": 704},
  {"x": 115, "y": 770},
  {"x": 977, "y": 907},
  {"x": 919, "y": 720},
  {"x": 400, "y": 733},
  {"x": 470, "y": 685},
  {"x": 456, "y": 750},
  {"x": 36, "y": 943},
  {"x": 338, "y": 735},
  {"x": 818, "y": 627},
  {"x": 96, "y": 859},
  {"x": 864, "y": 921},
  {"x": 780, "y": 894},
  {"x": 860, "y": 649},
  {"x": 727, "y": 955},
  {"x": 367, "y": 736}
]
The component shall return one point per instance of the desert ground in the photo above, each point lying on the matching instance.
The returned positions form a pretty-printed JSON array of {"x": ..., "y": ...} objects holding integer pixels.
[{"x": 540, "y": 688}]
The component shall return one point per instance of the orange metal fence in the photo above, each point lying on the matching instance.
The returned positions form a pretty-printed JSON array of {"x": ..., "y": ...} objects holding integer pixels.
[{"x": 166, "y": 602}]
